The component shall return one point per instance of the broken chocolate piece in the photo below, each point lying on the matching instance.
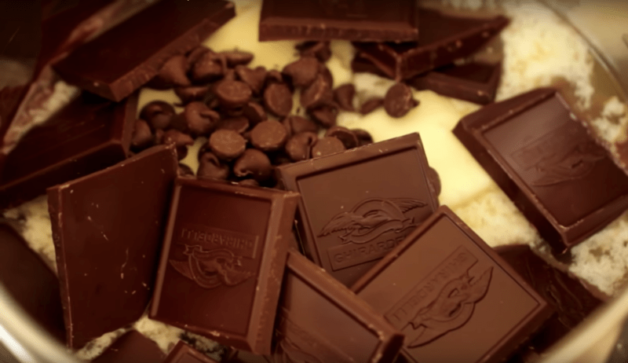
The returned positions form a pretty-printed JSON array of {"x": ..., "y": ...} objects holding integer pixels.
[
  {"x": 132, "y": 347},
  {"x": 107, "y": 229},
  {"x": 443, "y": 287},
  {"x": 541, "y": 155},
  {"x": 347, "y": 20},
  {"x": 183, "y": 353},
  {"x": 123, "y": 59},
  {"x": 358, "y": 205},
  {"x": 399, "y": 100},
  {"x": 222, "y": 261}
]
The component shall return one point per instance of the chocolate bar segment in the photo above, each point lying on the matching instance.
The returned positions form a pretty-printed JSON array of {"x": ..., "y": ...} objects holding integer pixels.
[
  {"x": 358, "y": 205},
  {"x": 475, "y": 82},
  {"x": 321, "y": 320},
  {"x": 223, "y": 257},
  {"x": 183, "y": 353},
  {"x": 358, "y": 20},
  {"x": 444, "y": 38},
  {"x": 132, "y": 347},
  {"x": 107, "y": 229},
  {"x": 452, "y": 296},
  {"x": 124, "y": 58},
  {"x": 543, "y": 158}
]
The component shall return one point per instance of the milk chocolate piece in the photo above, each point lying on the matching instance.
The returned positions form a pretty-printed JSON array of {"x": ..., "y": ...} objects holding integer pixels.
[
  {"x": 123, "y": 59},
  {"x": 452, "y": 296},
  {"x": 183, "y": 353},
  {"x": 348, "y": 20},
  {"x": 30, "y": 282},
  {"x": 87, "y": 135},
  {"x": 475, "y": 82},
  {"x": 320, "y": 320},
  {"x": 543, "y": 158},
  {"x": 107, "y": 229},
  {"x": 222, "y": 261},
  {"x": 132, "y": 347},
  {"x": 444, "y": 38},
  {"x": 356, "y": 206}
]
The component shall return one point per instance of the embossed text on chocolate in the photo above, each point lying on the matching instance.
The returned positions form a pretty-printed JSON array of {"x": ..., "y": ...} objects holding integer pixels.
[{"x": 210, "y": 237}]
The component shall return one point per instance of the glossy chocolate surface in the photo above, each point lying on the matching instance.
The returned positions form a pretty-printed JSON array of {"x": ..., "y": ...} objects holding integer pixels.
[
  {"x": 86, "y": 136},
  {"x": 132, "y": 347},
  {"x": 356, "y": 206},
  {"x": 320, "y": 320},
  {"x": 543, "y": 158},
  {"x": 443, "y": 39},
  {"x": 452, "y": 296},
  {"x": 183, "y": 353},
  {"x": 107, "y": 230},
  {"x": 223, "y": 257},
  {"x": 124, "y": 58},
  {"x": 348, "y": 20}
]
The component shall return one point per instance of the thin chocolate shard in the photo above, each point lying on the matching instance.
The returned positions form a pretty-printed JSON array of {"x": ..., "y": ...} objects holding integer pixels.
[
  {"x": 543, "y": 158},
  {"x": 356, "y": 206},
  {"x": 222, "y": 260},
  {"x": 86, "y": 136},
  {"x": 123, "y": 59},
  {"x": 443, "y": 287},
  {"x": 311, "y": 301},
  {"x": 444, "y": 38},
  {"x": 132, "y": 347},
  {"x": 348, "y": 20},
  {"x": 183, "y": 353},
  {"x": 107, "y": 229}
]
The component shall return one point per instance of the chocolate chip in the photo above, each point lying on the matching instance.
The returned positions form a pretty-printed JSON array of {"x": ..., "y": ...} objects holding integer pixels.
[
  {"x": 348, "y": 138},
  {"x": 433, "y": 180},
  {"x": 327, "y": 146},
  {"x": 297, "y": 124},
  {"x": 302, "y": 72},
  {"x": 325, "y": 115},
  {"x": 280, "y": 159},
  {"x": 210, "y": 167},
  {"x": 269, "y": 135},
  {"x": 371, "y": 105},
  {"x": 207, "y": 68},
  {"x": 173, "y": 73},
  {"x": 317, "y": 94},
  {"x": 230, "y": 75},
  {"x": 227, "y": 144},
  {"x": 326, "y": 73},
  {"x": 238, "y": 124},
  {"x": 190, "y": 94},
  {"x": 233, "y": 93},
  {"x": 195, "y": 54},
  {"x": 299, "y": 146},
  {"x": 278, "y": 99},
  {"x": 237, "y": 57},
  {"x": 159, "y": 136},
  {"x": 158, "y": 114},
  {"x": 320, "y": 50},
  {"x": 253, "y": 163},
  {"x": 179, "y": 139},
  {"x": 399, "y": 100},
  {"x": 197, "y": 119},
  {"x": 274, "y": 76},
  {"x": 248, "y": 183},
  {"x": 343, "y": 95},
  {"x": 254, "y": 112},
  {"x": 142, "y": 136},
  {"x": 185, "y": 171},
  {"x": 364, "y": 137},
  {"x": 255, "y": 78}
]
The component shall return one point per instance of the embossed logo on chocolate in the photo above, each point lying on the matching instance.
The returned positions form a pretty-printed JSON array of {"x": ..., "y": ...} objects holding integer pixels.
[
  {"x": 214, "y": 256},
  {"x": 443, "y": 302}
]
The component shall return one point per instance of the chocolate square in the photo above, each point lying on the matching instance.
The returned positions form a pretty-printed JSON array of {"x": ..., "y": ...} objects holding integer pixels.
[
  {"x": 222, "y": 261},
  {"x": 452, "y": 296},
  {"x": 358, "y": 205}
]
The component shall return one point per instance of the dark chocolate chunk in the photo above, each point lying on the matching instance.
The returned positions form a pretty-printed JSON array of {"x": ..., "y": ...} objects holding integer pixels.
[
  {"x": 364, "y": 137},
  {"x": 327, "y": 146},
  {"x": 348, "y": 137},
  {"x": 348, "y": 20},
  {"x": 269, "y": 135},
  {"x": 399, "y": 100},
  {"x": 238, "y": 124},
  {"x": 475, "y": 82},
  {"x": 193, "y": 93},
  {"x": 254, "y": 112},
  {"x": 237, "y": 57},
  {"x": 297, "y": 124},
  {"x": 541, "y": 155},
  {"x": 227, "y": 144},
  {"x": 434, "y": 180},
  {"x": 320, "y": 50},
  {"x": 223, "y": 257},
  {"x": 302, "y": 72},
  {"x": 30, "y": 282},
  {"x": 299, "y": 146},
  {"x": 207, "y": 68},
  {"x": 444, "y": 38},
  {"x": 183, "y": 353},
  {"x": 210, "y": 167},
  {"x": 123, "y": 59},
  {"x": 158, "y": 114},
  {"x": 87, "y": 135},
  {"x": 325, "y": 115},
  {"x": 180, "y": 140},
  {"x": 142, "y": 136},
  {"x": 172, "y": 73},
  {"x": 317, "y": 94},
  {"x": 254, "y": 78},
  {"x": 254, "y": 164},
  {"x": 343, "y": 95},
  {"x": 233, "y": 94},
  {"x": 320, "y": 320},
  {"x": 371, "y": 105},
  {"x": 358, "y": 205},
  {"x": 132, "y": 347},
  {"x": 278, "y": 99},
  {"x": 107, "y": 232},
  {"x": 197, "y": 119}
]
